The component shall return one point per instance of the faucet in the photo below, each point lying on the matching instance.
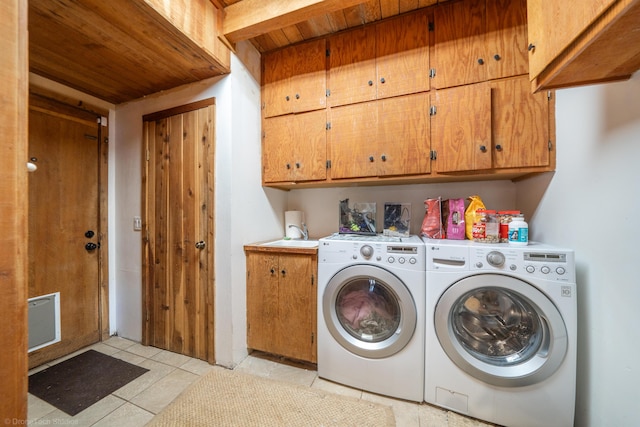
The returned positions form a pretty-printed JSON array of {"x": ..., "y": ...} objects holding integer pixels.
[{"x": 303, "y": 230}]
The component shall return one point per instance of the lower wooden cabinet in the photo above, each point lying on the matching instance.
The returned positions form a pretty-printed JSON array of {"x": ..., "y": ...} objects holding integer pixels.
[{"x": 281, "y": 303}]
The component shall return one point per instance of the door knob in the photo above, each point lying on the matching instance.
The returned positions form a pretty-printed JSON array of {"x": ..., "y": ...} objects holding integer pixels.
[{"x": 201, "y": 244}]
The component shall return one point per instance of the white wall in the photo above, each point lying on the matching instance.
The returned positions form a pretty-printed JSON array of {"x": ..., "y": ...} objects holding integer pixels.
[
  {"x": 591, "y": 204},
  {"x": 243, "y": 211}
]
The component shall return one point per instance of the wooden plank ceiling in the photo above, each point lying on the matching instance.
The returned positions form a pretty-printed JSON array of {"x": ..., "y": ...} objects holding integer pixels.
[
  {"x": 120, "y": 50},
  {"x": 364, "y": 12}
]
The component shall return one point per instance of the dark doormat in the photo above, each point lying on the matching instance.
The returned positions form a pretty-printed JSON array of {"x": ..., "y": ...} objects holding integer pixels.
[{"x": 79, "y": 382}]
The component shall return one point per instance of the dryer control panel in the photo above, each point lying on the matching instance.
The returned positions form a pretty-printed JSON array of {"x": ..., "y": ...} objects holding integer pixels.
[{"x": 529, "y": 262}]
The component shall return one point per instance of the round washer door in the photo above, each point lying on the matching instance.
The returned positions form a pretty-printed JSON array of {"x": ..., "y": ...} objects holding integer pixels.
[
  {"x": 369, "y": 311},
  {"x": 501, "y": 330}
]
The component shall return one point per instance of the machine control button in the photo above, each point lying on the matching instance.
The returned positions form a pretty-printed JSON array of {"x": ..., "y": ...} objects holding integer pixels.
[
  {"x": 366, "y": 251},
  {"x": 391, "y": 260},
  {"x": 401, "y": 260},
  {"x": 412, "y": 260},
  {"x": 545, "y": 270},
  {"x": 495, "y": 259},
  {"x": 378, "y": 258},
  {"x": 513, "y": 267},
  {"x": 560, "y": 270},
  {"x": 354, "y": 256},
  {"x": 479, "y": 264},
  {"x": 530, "y": 268}
]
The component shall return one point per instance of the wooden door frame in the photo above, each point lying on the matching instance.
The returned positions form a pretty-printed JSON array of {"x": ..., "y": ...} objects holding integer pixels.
[{"x": 58, "y": 105}]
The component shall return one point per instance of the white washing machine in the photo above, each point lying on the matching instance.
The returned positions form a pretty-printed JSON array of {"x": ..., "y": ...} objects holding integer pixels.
[
  {"x": 371, "y": 313},
  {"x": 501, "y": 332}
]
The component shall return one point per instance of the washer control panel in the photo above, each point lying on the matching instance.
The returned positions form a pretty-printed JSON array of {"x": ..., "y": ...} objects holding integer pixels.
[{"x": 405, "y": 255}]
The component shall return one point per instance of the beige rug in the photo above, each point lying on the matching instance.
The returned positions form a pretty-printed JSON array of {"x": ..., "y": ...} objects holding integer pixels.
[{"x": 231, "y": 398}]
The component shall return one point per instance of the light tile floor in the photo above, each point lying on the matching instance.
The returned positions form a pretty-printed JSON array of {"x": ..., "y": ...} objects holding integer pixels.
[{"x": 170, "y": 374}]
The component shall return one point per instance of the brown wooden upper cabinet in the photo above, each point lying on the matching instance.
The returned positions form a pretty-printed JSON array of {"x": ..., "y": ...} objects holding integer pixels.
[
  {"x": 295, "y": 79},
  {"x": 581, "y": 42},
  {"x": 380, "y": 61},
  {"x": 478, "y": 40},
  {"x": 491, "y": 126},
  {"x": 294, "y": 147},
  {"x": 387, "y": 137}
]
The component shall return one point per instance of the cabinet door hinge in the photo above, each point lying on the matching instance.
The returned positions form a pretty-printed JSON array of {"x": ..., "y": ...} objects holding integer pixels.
[
  {"x": 328, "y": 126},
  {"x": 312, "y": 280},
  {"x": 328, "y": 164},
  {"x": 432, "y": 26},
  {"x": 147, "y": 155},
  {"x": 432, "y": 72},
  {"x": 328, "y": 52},
  {"x": 328, "y": 93},
  {"x": 433, "y": 155},
  {"x": 262, "y": 107},
  {"x": 433, "y": 110},
  {"x": 313, "y": 337},
  {"x": 550, "y": 145},
  {"x": 549, "y": 95},
  {"x": 263, "y": 134}
]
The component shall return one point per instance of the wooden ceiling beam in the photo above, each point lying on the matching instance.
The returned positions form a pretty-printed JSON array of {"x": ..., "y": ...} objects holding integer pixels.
[{"x": 250, "y": 18}]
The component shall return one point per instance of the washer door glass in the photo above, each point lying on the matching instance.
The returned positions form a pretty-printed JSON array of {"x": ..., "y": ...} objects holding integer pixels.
[
  {"x": 369, "y": 311},
  {"x": 501, "y": 330}
]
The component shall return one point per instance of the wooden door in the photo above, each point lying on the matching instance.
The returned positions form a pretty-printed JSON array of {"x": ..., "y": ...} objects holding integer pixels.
[
  {"x": 459, "y": 54},
  {"x": 353, "y": 136},
  {"x": 263, "y": 276},
  {"x": 520, "y": 124},
  {"x": 296, "y": 298},
  {"x": 178, "y": 230},
  {"x": 352, "y": 67},
  {"x": 402, "y": 59},
  {"x": 63, "y": 220},
  {"x": 506, "y": 38},
  {"x": 404, "y": 137},
  {"x": 462, "y": 128}
]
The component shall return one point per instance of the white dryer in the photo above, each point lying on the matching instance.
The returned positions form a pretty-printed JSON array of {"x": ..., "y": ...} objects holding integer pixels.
[
  {"x": 501, "y": 332},
  {"x": 371, "y": 313}
]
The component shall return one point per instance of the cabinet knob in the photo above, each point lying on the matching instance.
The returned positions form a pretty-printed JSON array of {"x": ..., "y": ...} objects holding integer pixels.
[
  {"x": 273, "y": 270},
  {"x": 370, "y": 83},
  {"x": 382, "y": 80},
  {"x": 531, "y": 47},
  {"x": 286, "y": 97},
  {"x": 284, "y": 271},
  {"x": 483, "y": 148},
  {"x": 499, "y": 147},
  {"x": 384, "y": 158},
  {"x": 371, "y": 159},
  {"x": 480, "y": 61},
  {"x": 297, "y": 165},
  {"x": 497, "y": 57},
  {"x": 297, "y": 96},
  {"x": 288, "y": 166}
]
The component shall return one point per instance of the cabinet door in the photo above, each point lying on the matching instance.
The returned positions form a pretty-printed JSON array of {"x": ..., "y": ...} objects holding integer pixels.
[
  {"x": 520, "y": 124},
  {"x": 277, "y": 143},
  {"x": 295, "y": 79},
  {"x": 402, "y": 59},
  {"x": 352, "y": 67},
  {"x": 296, "y": 294},
  {"x": 295, "y": 147},
  {"x": 353, "y": 147},
  {"x": 262, "y": 301},
  {"x": 506, "y": 38},
  {"x": 462, "y": 128},
  {"x": 554, "y": 25},
  {"x": 309, "y": 146},
  {"x": 308, "y": 83},
  {"x": 276, "y": 73},
  {"x": 459, "y": 53},
  {"x": 403, "y": 141}
]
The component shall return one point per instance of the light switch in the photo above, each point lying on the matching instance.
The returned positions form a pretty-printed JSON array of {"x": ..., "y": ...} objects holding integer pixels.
[{"x": 137, "y": 223}]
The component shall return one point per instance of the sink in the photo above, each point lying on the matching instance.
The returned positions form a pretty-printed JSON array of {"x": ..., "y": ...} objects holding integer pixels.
[{"x": 282, "y": 243}]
